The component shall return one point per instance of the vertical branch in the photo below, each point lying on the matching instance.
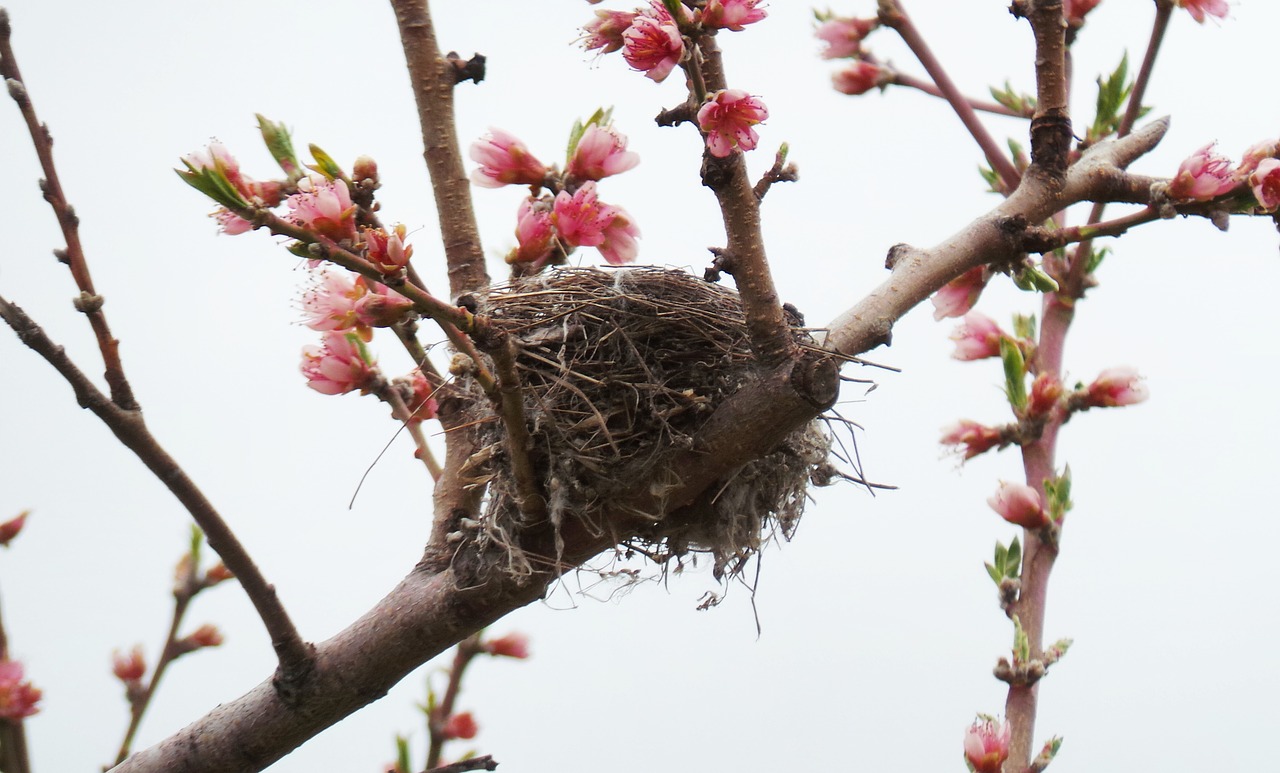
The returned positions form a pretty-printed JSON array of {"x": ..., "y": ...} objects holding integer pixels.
[
  {"x": 433, "y": 78},
  {"x": 13, "y": 734},
  {"x": 89, "y": 302},
  {"x": 466, "y": 651},
  {"x": 727, "y": 178}
]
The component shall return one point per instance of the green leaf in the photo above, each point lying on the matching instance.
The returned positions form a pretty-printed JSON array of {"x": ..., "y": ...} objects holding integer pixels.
[
  {"x": 214, "y": 184},
  {"x": 280, "y": 145},
  {"x": 1013, "y": 563},
  {"x": 996, "y": 575},
  {"x": 601, "y": 117},
  {"x": 1015, "y": 374},
  {"x": 673, "y": 8},
  {"x": 1024, "y": 326},
  {"x": 1021, "y": 645},
  {"x": 1095, "y": 259},
  {"x": 992, "y": 179},
  {"x": 1112, "y": 93},
  {"x": 325, "y": 164},
  {"x": 402, "y": 754}
]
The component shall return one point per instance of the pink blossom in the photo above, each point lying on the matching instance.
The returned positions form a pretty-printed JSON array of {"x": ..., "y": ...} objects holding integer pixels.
[
  {"x": 17, "y": 697},
  {"x": 986, "y": 745},
  {"x": 513, "y": 645},
  {"x": 605, "y": 33},
  {"x": 231, "y": 223},
  {"x": 1046, "y": 391},
  {"x": 216, "y": 158},
  {"x": 131, "y": 667},
  {"x": 330, "y": 304},
  {"x": 422, "y": 403},
  {"x": 504, "y": 160},
  {"x": 584, "y": 221},
  {"x": 460, "y": 726},
  {"x": 1265, "y": 182},
  {"x": 386, "y": 249},
  {"x": 535, "y": 235},
  {"x": 1116, "y": 387},
  {"x": 727, "y": 118},
  {"x": 844, "y": 36},
  {"x": 619, "y": 245},
  {"x": 1200, "y": 9},
  {"x": 324, "y": 207},
  {"x": 1074, "y": 11},
  {"x": 340, "y": 365},
  {"x": 971, "y": 437},
  {"x": 958, "y": 296},
  {"x": 601, "y": 152},
  {"x": 1203, "y": 175},
  {"x": 12, "y": 527},
  {"x": 859, "y": 77},
  {"x": 652, "y": 46},
  {"x": 977, "y": 338},
  {"x": 732, "y": 14},
  {"x": 1019, "y": 504},
  {"x": 1254, "y": 156}
]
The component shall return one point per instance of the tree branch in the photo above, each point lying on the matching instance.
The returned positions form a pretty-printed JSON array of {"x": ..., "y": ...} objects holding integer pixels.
[
  {"x": 433, "y": 77},
  {"x": 293, "y": 654}
]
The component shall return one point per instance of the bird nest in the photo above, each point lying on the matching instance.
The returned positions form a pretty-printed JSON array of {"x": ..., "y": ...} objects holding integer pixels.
[{"x": 619, "y": 369}]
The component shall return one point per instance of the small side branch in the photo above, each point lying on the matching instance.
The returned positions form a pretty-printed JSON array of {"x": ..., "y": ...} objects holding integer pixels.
[
  {"x": 294, "y": 655},
  {"x": 920, "y": 84},
  {"x": 892, "y": 15},
  {"x": 89, "y": 302},
  {"x": 433, "y": 78},
  {"x": 533, "y": 506}
]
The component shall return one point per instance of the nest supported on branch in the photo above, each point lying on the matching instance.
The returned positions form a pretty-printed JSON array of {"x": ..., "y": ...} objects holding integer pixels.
[{"x": 618, "y": 370}]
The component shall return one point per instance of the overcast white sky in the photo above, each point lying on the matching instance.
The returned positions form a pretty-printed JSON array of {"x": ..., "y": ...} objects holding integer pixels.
[{"x": 880, "y": 626}]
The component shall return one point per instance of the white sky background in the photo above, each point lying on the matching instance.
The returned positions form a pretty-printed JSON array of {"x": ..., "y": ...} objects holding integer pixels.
[{"x": 880, "y": 626}]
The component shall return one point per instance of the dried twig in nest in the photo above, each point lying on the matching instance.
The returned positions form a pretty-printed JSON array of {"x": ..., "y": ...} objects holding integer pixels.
[{"x": 619, "y": 368}]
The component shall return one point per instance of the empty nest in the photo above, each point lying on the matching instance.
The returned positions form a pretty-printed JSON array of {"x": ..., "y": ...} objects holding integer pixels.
[{"x": 619, "y": 368}]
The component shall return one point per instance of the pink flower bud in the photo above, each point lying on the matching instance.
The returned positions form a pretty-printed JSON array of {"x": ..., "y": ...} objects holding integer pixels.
[
  {"x": 727, "y": 118},
  {"x": 1046, "y": 391},
  {"x": 971, "y": 437},
  {"x": 17, "y": 697},
  {"x": 12, "y": 527},
  {"x": 1265, "y": 182},
  {"x": 460, "y": 726},
  {"x": 957, "y": 297},
  {"x": 1074, "y": 11},
  {"x": 652, "y": 46},
  {"x": 513, "y": 645},
  {"x": 131, "y": 667},
  {"x": 1202, "y": 176},
  {"x": 1199, "y": 9},
  {"x": 605, "y": 33},
  {"x": 732, "y": 14},
  {"x": 844, "y": 36},
  {"x": 504, "y": 160},
  {"x": 422, "y": 402},
  {"x": 535, "y": 236},
  {"x": 986, "y": 745},
  {"x": 1019, "y": 504},
  {"x": 217, "y": 573},
  {"x": 231, "y": 223},
  {"x": 1115, "y": 387},
  {"x": 977, "y": 338},
  {"x": 380, "y": 306},
  {"x": 339, "y": 366},
  {"x": 860, "y": 77},
  {"x": 1254, "y": 156},
  {"x": 619, "y": 245},
  {"x": 324, "y": 207},
  {"x": 601, "y": 152},
  {"x": 365, "y": 168}
]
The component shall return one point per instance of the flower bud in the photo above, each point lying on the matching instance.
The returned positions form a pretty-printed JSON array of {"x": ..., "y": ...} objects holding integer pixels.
[{"x": 1019, "y": 504}]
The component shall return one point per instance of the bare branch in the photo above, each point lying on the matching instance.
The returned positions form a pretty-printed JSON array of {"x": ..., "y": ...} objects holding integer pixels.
[{"x": 128, "y": 426}]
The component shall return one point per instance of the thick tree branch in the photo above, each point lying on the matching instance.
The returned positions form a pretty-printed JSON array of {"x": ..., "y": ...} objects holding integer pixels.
[
  {"x": 433, "y": 77},
  {"x": 128, "y": 426}
]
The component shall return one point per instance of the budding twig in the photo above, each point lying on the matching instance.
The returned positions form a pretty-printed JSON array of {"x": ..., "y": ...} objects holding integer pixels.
[
  {"x": 919, "y": 84},
  {"x": 13, "y": 735}
]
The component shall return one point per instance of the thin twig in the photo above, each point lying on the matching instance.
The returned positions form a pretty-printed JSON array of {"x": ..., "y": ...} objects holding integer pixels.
[
  {"x": 931, "y": 89},
  {"x": 295, "y": 656},
  {"x": 893, "y": 15},
  {"x": 391, "y": 396},
  {"x": 89, "y": 302},
  {"x": 1044, "y": 240},
  {"x": 465, "y": 652},
  {"x": 532, "y": 504},
  {"x": 483, "y": 762}
]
